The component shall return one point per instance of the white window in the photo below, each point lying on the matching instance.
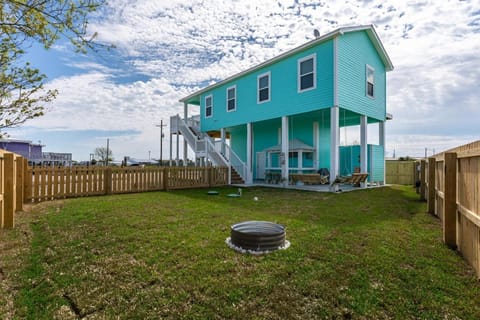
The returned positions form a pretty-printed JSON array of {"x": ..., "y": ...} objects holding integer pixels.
[
  {"x": 370, "y": 81},
  {"x": 208, "y": 106},
  {"x": 232, "y": 98},
  {"x": 306, "y": 73},
  {"x": 263, "y": 93}
]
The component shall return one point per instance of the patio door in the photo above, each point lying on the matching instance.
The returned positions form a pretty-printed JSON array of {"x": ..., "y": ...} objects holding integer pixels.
[{"x": 260, "y": 169}]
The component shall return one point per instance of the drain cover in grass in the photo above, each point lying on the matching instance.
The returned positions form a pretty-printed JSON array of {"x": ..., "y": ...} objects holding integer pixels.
[
  {"x": 212, "y": 193},
  {"x": 233, "y": 195}
]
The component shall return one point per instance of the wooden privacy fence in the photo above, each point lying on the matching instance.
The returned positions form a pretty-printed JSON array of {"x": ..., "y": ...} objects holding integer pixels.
[
  {"x": 11, "y": 187},
  {"x": 451, "y": 187},
  {"x": 400, "y": 172},
  {"x": 49, "y": 183},
  {"x": 21, "y": 184}
]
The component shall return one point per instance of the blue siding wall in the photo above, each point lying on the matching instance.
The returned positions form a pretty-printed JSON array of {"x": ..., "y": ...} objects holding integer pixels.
[
  {"x": 350, "y": 158},
  {"x": 324, "y": 150},
  {"x": 238, "y": 141},
  {"x": 285, "y": 99},
  {"x": 377, "y": 160},
  {"x": 355, "y": 51},
  {"x": 265, "y": 135}
]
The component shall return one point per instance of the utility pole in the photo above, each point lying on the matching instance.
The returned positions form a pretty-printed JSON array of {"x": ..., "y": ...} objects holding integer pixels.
[
  {"x": 106, "y": 163},
  {"x": 161, "y": 125}
]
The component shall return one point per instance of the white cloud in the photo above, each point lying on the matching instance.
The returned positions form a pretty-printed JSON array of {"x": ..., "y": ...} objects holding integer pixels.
[{"x": 433, "y": 91}]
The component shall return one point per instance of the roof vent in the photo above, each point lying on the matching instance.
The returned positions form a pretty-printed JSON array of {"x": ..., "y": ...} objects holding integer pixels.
[{"x": 316, "y": 33}]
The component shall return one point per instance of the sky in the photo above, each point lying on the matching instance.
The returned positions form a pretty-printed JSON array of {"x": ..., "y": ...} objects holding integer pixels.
[{"x": 165, "y": 50}]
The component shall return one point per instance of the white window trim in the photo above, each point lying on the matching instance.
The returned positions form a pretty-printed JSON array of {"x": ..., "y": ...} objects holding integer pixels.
[
  {"x": 314, "y": 56},
  {"x": 211, "y": 98},
  {"x": 226, "y": 98},
  {"x": 367, "y": 68},
  {"x": 269, "y": 87}
]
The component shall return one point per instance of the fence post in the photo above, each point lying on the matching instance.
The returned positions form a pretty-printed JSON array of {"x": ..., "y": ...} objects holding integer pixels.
[
  {"x": 450, "y": 200},
  {"x": 108, "y": 180},
  {"x": 20, "y": 184},
  {"x": 164, "y": 173},
  {"x": 208, "y": 172},
  {"x": 9, "y": 191},
  {"x": 423, "y": 179},
  {"x": 432, "y": 162},
  {"x": 415, "y": 174},
  {"x": 27, "y": 182}
]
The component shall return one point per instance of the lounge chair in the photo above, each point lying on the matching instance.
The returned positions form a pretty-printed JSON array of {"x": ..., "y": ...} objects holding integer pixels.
[{"x": 356, "y": 179}]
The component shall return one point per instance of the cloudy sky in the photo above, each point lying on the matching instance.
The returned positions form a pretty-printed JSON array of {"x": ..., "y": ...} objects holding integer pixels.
[{"x": 168, "y": 49}]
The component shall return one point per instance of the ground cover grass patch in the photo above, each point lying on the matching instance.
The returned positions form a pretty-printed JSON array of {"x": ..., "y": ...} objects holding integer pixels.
[{"x": 364, "y": 254}]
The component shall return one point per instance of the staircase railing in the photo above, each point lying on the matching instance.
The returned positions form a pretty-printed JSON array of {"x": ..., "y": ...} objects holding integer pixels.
[
  {"x": 192, "y": 139},
  {"x": 215, "y": 156},
  {"x": 235, "y": 161},
  {"x": 202, "y": 143}
]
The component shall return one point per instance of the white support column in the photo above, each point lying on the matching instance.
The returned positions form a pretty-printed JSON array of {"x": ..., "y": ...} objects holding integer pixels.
[
  {"x": 363, "y": 145},
  {"x": 300, "y": 160},
  {"x": 171, "y": 150},
  {"x": 335, "y": 120},
  {"x": 206, "y": 154},
  {"x": 284, "y": 153},
  {"x": 334, "y": 143},
  {"x": 249, "y": 154},
  {"x": 177, "y": 158},
  {"x": 381, "y": 135},
  {"x": 185, "y": 144},
  {"x": 222, "y": 137}
]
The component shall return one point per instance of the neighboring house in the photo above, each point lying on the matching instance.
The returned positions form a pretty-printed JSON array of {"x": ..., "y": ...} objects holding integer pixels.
[
  {"x": 285, "y": 114},
  {"x": 33, "y": 153}
]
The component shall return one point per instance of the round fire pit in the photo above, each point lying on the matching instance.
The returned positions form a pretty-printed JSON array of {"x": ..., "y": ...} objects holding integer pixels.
[{"x": 257, "y": 237}]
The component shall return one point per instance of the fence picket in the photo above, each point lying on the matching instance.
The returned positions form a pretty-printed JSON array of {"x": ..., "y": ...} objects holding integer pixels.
[{"x": 48, "y": 183}]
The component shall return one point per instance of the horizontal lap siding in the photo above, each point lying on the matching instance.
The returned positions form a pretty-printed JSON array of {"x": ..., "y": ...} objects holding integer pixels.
[
  {"x": 377, "y": 163},
  {"x": 355, "y": 51},
  {"x": 285, "y": 99}
]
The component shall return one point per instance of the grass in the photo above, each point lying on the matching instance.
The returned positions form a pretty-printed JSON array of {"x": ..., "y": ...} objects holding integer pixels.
[{"x": 362, "y": 255}]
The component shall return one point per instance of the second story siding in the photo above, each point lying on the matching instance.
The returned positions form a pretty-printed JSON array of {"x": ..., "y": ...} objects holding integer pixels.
[
  {"x": 284, "y": 96},
  {"x": 356, "y": 54}
]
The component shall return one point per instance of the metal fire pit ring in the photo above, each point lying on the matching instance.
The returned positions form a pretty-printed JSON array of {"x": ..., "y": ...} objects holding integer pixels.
[{"x": 257, "y": 237}]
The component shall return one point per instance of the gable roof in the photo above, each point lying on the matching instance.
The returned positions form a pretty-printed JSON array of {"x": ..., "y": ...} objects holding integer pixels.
[{"x": 369, "y": 29}]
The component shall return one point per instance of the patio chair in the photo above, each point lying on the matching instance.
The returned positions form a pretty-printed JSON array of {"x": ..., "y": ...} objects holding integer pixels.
[{"x": 324, "y": 175}]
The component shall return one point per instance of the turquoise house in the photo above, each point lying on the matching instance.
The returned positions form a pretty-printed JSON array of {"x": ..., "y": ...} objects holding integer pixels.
[{"x": 285, "y": 115}]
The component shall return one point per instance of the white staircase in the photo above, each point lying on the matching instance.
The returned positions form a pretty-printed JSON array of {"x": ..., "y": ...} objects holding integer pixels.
[{"x": 204, "y": 146}]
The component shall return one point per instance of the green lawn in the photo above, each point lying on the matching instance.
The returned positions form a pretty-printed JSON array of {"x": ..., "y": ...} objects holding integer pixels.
[{"x": 365, "y": 254}]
